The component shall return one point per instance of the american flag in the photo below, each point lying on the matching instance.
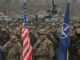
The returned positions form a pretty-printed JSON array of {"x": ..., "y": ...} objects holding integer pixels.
[{"x": 27, "y": 48}]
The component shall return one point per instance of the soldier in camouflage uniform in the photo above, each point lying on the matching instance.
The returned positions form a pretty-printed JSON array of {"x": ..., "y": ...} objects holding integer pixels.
[
  {"x": 32, "y": 40},
  {"x": 10, "y": 29},
  {"x": 54, "y": 33},
  {"x": 12, "y": 24},
  {"x": 49, "y": 35},
  {"x": 13, "y": 48},
  {"x": 13, "y": 20},
  {"x": 19, "y": 36},
  {"x": 75, "y": 43},
  {"x": 72, "y": 44},
  {"x": 3, "y": 20},
  {"x": 34, "y": 33},
  {"x": 56, "y": 44},
  {"x": 5, "y": 36},
  {"x": 43, "y": 48},
  {"x": 16, "y": 23},
  {"x": 7, "y": 27}
]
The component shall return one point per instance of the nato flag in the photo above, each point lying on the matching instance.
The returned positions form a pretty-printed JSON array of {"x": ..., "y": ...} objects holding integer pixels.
[{"x": 65, "y": 37}]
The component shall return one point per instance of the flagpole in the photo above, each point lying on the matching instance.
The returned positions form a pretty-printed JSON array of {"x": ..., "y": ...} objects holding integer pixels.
[
  {"x": 68, "y": 50},
  {"x": 67, "y": 54},
  {"x": 26, "y": 4}
]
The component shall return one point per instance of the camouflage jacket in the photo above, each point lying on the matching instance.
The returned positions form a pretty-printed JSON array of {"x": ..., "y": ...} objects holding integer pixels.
[
  {"x": 44, "y": 49},
  {"x": 13, "y": 49}
]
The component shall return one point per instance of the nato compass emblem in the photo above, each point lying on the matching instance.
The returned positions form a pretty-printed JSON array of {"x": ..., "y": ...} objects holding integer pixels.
[{"x": 65, "y": 31}]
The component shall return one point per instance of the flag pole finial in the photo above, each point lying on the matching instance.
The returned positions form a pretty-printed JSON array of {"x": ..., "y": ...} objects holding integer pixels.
[
  {"x": 68, "y": 1},
  {"x": 24, "y": 0}
]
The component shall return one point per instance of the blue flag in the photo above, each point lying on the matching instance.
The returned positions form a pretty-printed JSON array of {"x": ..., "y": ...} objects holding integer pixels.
[
  {"x": 0, "y": 53},
  {"x": 65, "y": 37}
]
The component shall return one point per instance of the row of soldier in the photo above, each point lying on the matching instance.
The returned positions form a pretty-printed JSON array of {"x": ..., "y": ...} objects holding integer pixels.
[
  {"x": 10, "y": 39},
  {"x": 39, "y": 33}
]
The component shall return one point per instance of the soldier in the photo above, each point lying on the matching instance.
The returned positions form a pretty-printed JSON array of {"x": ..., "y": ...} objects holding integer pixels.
[
  {"x": 56, "y": 44},
  {"x": 72, "y": 26},
  {"x": 53, "y": 24},
  {"x": 32, "y": 40},
  {"x": 54, "y": 32},
  {"x": 14, "y": 29},
  {"x": 17, "y": 28},
  {"x": 5, "y": 36},
  {"x": 13, "y": 19},
  {"x": 71, "y": 21},
  {"x": 49, "y": 35},
  {"x": 35, "y": 35},
  {"x": 75, "y": 51},
  {"x": 50, "y": 20},
  {"x": 19, "y": 36},
  {"x": 10, "y": 29},
  {"x": 7, "y": 27},
  {"x": 60, "y": 20},
  {"x": 21, "y": 25},
  {"x": 72, "y": 44},
  {"x": 3, "y": 20},
  {"x": 16, "y": 23},
  {"x": 13, "y": 48},
  {"x": 75, "y": 24},
  {"x": 43, "y": 48},
  {"x": 58, "y": 24},
  {"x": 38, "y": 30},
  {"x": 59, "y": 32},
  {"x": 72, "y": 36},
  {"x": 75, "y": 45},
  {"x": 77, "y": 32},
  {"x": 11, "y": 24}
]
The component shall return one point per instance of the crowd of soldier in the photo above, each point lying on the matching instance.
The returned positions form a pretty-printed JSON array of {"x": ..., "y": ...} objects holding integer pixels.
[
  {"x": 10, "y": 39},
  {"x": 44, "y": 38}
]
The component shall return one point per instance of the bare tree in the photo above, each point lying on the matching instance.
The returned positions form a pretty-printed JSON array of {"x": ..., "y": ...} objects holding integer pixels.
[{"x": 3, "y": 6}]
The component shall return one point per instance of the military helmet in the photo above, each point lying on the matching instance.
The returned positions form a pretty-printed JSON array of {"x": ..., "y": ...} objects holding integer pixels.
[
  {"x": 59, "y": 29},
  {"x": 30, "y": 27},
  {"x": 19, "y": 31},
  {"x": 78, "y": 26},
  {"x": 13, "y": 28},
  {"x": 53, "y": 28},
  {"x": 42, "y": 32},
  {"x": 71, "y": 32},
  {"x": 16, "y": 21},
  {"x": 14, "y": 33}
]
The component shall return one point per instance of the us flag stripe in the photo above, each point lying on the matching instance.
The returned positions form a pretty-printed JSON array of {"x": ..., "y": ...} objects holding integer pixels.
[{"x": 27, "y": 48}]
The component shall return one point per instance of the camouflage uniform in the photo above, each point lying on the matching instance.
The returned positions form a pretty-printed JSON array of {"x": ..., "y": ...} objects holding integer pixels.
[
  {"x": 56, "y": 44},
  {"x": 32, "y": 37},
  {"x": 72, "y": 44},
  {"x": 50, "y": 36},
  {"x": 75, "y": 46},
  {"x": 43, "y": 49},
  {"x": 13, "y": 49},
  {"x": 19, "y": 36},
  {"x": 55, "y": 34},
  {"x": 4, "y": 38}
]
